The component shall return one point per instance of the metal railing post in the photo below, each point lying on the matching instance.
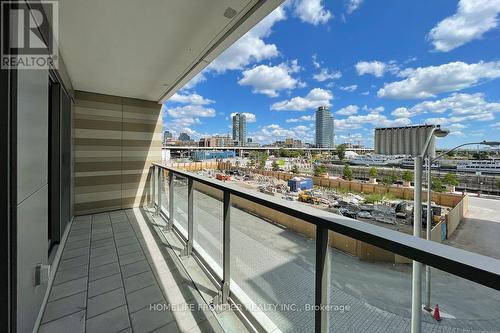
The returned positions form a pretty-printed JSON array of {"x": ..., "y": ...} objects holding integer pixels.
[
  {"x": 428, "y": 234},
  {"x": 189, "y": 244},
  {"x": 170, "y": 223},
  {"x": 226, "y": 246},
  {"x": 158, "y": 189},
  {"x": 322, "y": 282},
  {"x": 152, "y": 186},
  {"x": 416, "y": 285}
]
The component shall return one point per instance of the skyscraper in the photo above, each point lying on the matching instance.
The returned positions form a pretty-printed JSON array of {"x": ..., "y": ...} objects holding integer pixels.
[
  {"x": 240, "y": 128},
  {"x": 324, "y": 127}
]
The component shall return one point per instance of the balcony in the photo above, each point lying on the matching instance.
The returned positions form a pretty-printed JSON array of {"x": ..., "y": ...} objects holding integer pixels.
[{"x": 140, "y": 270}]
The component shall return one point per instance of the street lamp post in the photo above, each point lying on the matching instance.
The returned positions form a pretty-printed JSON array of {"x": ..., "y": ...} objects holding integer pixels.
[{"x": 430, "y": 160}]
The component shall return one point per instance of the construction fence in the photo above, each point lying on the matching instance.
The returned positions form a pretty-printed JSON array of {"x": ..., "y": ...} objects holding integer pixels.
[{"x": 343, "y": 243}]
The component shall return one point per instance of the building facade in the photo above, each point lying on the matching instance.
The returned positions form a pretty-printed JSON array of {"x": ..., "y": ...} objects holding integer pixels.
[
  {"x": 240, "y": 128},
  {"x": 324, "y": 127},
  {"x": 216, "y": 141}
]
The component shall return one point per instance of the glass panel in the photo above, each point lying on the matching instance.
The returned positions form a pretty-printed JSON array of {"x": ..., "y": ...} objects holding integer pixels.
[
  {"x": 273, "y": 265},
  {"x": 370, "y": 289},
  {"x": 207, "y": 224},
  {"x": 180, "y": 204},
  {"x": 464, "y": 306},
  {"x": 164, "y": 192}
]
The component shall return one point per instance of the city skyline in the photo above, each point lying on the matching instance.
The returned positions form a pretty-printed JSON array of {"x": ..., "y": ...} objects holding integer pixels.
[{"x": 371, "y": 74}]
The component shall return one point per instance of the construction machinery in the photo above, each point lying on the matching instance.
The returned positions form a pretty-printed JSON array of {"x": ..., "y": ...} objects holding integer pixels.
[{"x": 306, "y": 196}]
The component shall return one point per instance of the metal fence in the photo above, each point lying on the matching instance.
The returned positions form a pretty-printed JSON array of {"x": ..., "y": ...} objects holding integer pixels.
[{"x": 471, "y": 266}]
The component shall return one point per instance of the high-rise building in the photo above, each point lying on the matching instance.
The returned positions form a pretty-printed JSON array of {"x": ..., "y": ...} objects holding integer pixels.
[
  {"x": 324, "y": 127},
  {"x": 184, "y": 137},
  {"x": 240, "y": 128}
]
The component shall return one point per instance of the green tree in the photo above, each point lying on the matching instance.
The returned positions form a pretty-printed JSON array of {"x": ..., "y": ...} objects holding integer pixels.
[
  {"x": 480, "y": 155},
  {"x": 498, "y": 182},
  {"x": 407, "y": 176},
  {"x": 373, "y": 172},
  {"x": 347, "y": 172},
  {"x": 341, "y": 151},
  {"x": 437, "y": 185},
  {"x": 295, "y": 169},
  {"x": 275, "y": 166},
  {"x": 319, "y": 170},
  {"x": 450, "y": 179}
]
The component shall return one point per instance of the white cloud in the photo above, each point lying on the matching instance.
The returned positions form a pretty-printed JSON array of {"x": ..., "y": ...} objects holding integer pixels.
[
  {"x": 268, "y": 80},
  {"x": 326, "y": 74},
  {"x": 348, "y": 110},
  {"x": 496, "y": 125},
  {"x": 457, "y": 106},
  {"x": 300, "y": 119},
  {"x": 311, "y": 11},
  {"x": 273, "y": 132},
  {"x": 193, "y": 98},
  {"x": 456, "y": 119},
  {"x": 190, "y": 111},
  {"x": 378, "y": 109},
  {"x": 376, "y": 68},
  {"x": 350, "y": 88},
  {"x": 251, "y": 47},
  {"x": 352, "y": 5},
  {"x": 472, "y": 19},
  {"x": 251, "y": 118},
  {"x": 365, "y": 93},
  {"x": 316, "y": 97},
  {"x": 315, "y": 61},
  {"x": 426, "y": 82}
]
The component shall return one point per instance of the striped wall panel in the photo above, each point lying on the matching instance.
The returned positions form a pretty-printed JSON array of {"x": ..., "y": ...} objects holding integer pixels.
[{"x": 115, "y": 141}]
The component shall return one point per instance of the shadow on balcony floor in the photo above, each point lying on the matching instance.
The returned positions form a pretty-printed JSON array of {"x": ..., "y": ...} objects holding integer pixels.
[{"x": 116, "y": 275}]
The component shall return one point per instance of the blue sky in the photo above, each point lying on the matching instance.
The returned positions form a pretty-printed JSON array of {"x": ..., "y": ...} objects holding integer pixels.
[{"x": 376, "y": 63}]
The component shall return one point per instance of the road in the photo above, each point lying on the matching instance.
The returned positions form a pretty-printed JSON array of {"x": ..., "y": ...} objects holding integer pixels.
[
  {"x": 274, "y": 265},
  {"x": 480, "y": 231}
]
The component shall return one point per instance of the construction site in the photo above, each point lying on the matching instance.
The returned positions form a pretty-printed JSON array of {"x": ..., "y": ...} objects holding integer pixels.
[{"x": 381, "y": 209}]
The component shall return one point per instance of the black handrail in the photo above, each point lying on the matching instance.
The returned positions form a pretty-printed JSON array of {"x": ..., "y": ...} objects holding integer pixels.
[{"x": 468, "y": 265}]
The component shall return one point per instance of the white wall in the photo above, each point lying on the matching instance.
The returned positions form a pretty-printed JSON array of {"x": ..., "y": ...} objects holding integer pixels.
[{"x": 32, "y": 191}]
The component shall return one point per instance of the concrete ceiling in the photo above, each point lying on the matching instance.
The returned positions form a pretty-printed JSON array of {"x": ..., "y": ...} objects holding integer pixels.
[{"x": 148, "y": 49}]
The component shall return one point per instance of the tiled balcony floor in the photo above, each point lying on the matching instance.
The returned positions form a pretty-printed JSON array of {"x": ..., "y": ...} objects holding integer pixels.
[{"x": 112, "y": 269}]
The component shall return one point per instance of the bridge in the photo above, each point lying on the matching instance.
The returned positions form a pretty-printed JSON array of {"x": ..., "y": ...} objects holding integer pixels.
[{"x": 243, "y": 150}]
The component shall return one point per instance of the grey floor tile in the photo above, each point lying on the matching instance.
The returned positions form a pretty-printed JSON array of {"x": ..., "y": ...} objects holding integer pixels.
[
  {"x": 135, "y": 268},
  {"x": 125, "y": 234},
  {"x": 100, "y": 243},
  {"x": 105, "y": 302},
  {"x": 139, "y": 281},
  {"x": 74, "y": 323},
  {"x": 64, "y": 306},
  {"x": 77, "y": 245},
  {"x": 144, "y": 298},
  {"x": 100, "y": 236},
  {"x": 106, "y": 284},
  {"x": 128, "y": 248},
  {"x": 79, "y": 236},
  {"x": 111, "y": 321},
  {"x": 103, "y": 250},
  {"x": 73, "y": 262},
  {"x": 104, "y": 271},
  {"x": 147, "y": 320},
  {"x": 103, "y": 260},
  {"x": 68, "y": 288},
  {"x": 71, "y": 274},
  {"x": 130, "y": 258},
  {"x": 169, "y": 328},
  {"x": 126, "y": 241},
  {"x": 68, "y": 254}
]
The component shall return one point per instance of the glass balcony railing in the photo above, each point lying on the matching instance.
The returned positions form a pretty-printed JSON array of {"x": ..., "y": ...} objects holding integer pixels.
[{"x": 292, "y": 268}]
